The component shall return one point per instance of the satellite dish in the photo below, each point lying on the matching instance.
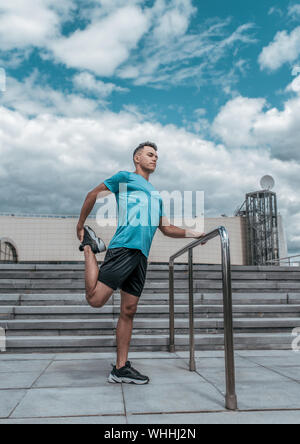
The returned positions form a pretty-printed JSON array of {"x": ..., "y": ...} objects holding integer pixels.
[{"x": 267, "y": 183}]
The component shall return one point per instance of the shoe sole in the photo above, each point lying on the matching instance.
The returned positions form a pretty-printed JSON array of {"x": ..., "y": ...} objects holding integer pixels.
[
  {"x": 115, "y": 380},
  {"x": 99, "y": 242}
]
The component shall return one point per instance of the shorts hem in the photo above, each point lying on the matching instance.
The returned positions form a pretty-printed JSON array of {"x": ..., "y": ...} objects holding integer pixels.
[
  {"x": 130, "y": 292},
  {"x": 107, "y": 283}
]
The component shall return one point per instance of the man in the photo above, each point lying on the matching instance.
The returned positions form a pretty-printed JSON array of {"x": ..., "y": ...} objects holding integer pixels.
[{"x": 125, "y": 263}]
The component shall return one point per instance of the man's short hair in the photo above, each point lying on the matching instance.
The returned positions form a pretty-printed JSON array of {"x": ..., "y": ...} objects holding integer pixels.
[{"x": 142, "y": 146}]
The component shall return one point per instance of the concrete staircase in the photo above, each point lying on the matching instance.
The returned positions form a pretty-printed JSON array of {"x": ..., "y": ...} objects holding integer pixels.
[{"x": 43, "y": 309}]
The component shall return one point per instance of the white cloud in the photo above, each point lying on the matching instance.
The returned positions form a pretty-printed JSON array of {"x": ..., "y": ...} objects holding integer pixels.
[
  {"x": 285, "y": 48},
  {"x": 87, "y": 82},
  {"x": 104, "y": 44},
  {"x": 26, "y": 23},
  {"x": 236, "y": 120},
  {"x": 94, "y": 10},
  {"x": 275, "y": 10},
  {"x": 245, "y": 122},
  {"x": 104, "y": 132},
  {"x": 200, "y": 112},
  {"x": 294, "y": 86},
  {"x": 294, "y": 11},
  {"x": 101, "y": 47},
  {"x": 171, "y": 61},
  {"x": 30, "y": 98},
  {"x": 171, "y": 19}
]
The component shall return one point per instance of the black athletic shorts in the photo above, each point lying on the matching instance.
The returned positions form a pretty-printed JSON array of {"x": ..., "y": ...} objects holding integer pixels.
[{"x": 124, "y": 268}]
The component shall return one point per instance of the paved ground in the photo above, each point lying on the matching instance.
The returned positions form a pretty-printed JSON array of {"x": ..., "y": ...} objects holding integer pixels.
[{"x": 67, "y": 388}]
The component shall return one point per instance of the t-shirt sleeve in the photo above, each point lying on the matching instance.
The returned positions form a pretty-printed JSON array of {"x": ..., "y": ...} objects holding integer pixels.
[{"x": 113, "y": 182}]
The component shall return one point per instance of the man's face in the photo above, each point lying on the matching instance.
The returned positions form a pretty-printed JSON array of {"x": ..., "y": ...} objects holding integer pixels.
[{"x": 148, "y": 159}]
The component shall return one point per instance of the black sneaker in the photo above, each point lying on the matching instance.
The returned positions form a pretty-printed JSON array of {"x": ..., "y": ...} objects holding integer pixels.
[
  {"x": 90, "y": 238},
  {"x": 128, "y": 375}
]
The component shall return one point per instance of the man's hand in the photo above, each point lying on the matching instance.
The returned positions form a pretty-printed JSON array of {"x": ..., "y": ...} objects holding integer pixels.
[
  {"x": 195, "y": 235},
  {"x": 80, "y": 232},
  {"x": 176, "y": 232},
  {"x": 201, "y": 236}
]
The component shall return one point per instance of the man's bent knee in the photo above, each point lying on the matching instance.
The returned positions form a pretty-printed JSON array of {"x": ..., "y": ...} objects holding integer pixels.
[
  {"x": 98, "y": 297},
  {"x": 92, "y": 301}
]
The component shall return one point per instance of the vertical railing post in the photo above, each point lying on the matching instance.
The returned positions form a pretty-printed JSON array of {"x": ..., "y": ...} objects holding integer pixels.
[
  {"x": 191, "y": 312},
  {"x": 231, "y": 399},
  {"x": 172, "y": 308}
]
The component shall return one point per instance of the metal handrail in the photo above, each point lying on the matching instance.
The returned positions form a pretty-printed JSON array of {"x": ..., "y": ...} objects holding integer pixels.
[
  {"x": 231, "y": 398},
  {"x": 275, "y": 261}
]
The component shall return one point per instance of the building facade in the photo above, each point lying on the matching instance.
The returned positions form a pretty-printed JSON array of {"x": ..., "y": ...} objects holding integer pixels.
[{"x": 53, "y": 239}]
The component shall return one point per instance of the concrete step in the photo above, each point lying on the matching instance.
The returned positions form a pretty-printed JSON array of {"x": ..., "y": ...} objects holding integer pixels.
[
  {"x": 180, "y": 287},
  {"x": 44, "y": 311},
  {"x": 147, "y": 291},
  {"x": 56, "y": 344},
  {"x": 96, "y": 327},
  {"x": 144, "y": 311},
  {"x": 50, "y": 285},
  {"x": 151, "y": 266},
  {"x": 21, "y": 299},
  {"x": 162, "y": 275}
]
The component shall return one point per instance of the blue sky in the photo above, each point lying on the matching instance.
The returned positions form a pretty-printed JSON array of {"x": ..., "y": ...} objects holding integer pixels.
[{"x": 214, "y": 84}]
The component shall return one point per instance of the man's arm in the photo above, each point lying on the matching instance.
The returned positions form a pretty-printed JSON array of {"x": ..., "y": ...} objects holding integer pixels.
[
  {"x": 100, "y": 191},
  {"x": 179, "y": 233}
]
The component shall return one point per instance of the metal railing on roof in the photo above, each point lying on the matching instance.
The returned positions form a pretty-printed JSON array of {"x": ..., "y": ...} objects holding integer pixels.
[
  {"x": 46, "y": 216},
  {"x": 288, "y": 259}
]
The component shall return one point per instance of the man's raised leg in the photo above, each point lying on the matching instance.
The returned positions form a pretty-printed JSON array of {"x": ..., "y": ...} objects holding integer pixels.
[{"x": 97, "y": 293}]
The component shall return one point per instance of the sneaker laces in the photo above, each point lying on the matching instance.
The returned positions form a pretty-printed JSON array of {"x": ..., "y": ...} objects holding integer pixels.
[{"x": 128, "y": 365}]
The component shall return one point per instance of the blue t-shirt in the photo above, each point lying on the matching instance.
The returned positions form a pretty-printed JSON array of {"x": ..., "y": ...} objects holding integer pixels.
[{"x": 140, "y": 208}]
